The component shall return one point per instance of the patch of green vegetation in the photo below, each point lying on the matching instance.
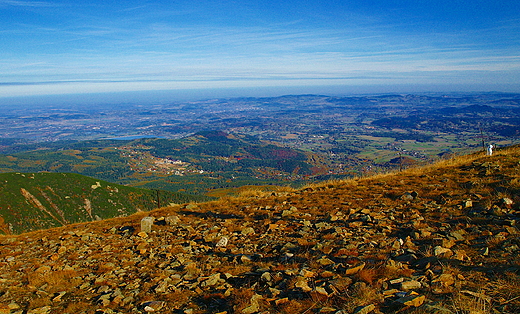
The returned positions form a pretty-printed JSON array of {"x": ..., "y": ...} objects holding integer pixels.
[
  {"x": 31, "y": 201},
  {"x": 213, "y": 159}
]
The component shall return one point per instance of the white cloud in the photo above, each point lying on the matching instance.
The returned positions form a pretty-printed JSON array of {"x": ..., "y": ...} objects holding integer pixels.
[{"x": 20, "y": 3}]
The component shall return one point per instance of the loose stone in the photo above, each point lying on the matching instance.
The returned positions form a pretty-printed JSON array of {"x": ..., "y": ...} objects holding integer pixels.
[{"x": 146, "y": 224}]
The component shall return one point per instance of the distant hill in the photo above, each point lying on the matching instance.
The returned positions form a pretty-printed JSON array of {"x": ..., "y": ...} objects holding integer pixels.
[
  {"x": 400, "y": 162},
  {"x": 195, "y": 164},
  {"x": 32, "y": 201},
  {"x": 456, "y": 119}
]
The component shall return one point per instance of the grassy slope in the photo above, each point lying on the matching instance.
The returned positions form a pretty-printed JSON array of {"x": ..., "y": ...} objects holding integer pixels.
[{"x": 31, "y": 201}]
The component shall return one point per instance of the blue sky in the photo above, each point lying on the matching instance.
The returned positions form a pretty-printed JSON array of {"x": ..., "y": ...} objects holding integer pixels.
[{"x": 64, "y": 47}]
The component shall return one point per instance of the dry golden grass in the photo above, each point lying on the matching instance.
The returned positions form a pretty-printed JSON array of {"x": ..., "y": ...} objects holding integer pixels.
[
  {"x": 39, "y": 302},
  {"x": 55, "y": 280},
  {"x": 367, "y": 275},
  {"x": 462, "y": 304},
  {"x": 235, "y": 270},
  {"x": 241, "y": 299},
  {"x": 296, "y": 306},
  {"x": 250, "y": 191},
  {"x": 361, "y": 295},
  {"x": 482, "y": 294},
  {"x": 392, "y": 272},
  {"x": 76, "y": 307},
  {"x": 506, "y": 291},
  {"x": 176, "y": 297}
]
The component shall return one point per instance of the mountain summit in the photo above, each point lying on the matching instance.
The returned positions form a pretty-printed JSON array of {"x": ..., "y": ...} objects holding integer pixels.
[{"x": 439, "y": 239}]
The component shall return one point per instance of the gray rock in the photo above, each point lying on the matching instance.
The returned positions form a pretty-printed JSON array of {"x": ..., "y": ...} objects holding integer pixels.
[
  {"x": 162, "y": 287},
  {"x": 58, "y": 297},
  {"x": 410, "y": 285},
  {"x": 303, "y": 284},
  {"x": 172, "y": 220},
  {"x": 506, "y": 201},
  {"x": 412, "y": 300},
  {"x": 223, "y": 242},
  {"x": 146, "y": 224},
  {"x": 322, "y": 225},
  {"x": 274, "y": 292},
  {"x": 443, "y": 252},
  {"x": 245, "y": 259},
  {"x": 327, "y": 309},
  {"x": 152, "y": 306},
  {"x": 458, "y": 235},
  {"x": 254, "y": 305},
  {"x": 396, "y": 281},
  {"x": 212, "y": 280},
  {"x": 248, "y": 231},
  {"x": 286, "y": 213},
  {"x": 407, "y": 196},
  {"x": 13, "y": 306},
  {"x": 266, "y": 277}
]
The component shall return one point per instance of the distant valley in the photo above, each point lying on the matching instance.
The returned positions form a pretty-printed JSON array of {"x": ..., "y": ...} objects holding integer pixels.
[
  {"x": 214, "y": 147},
  {"x": 196, "y": 164},
  {"x": 311, "y": 122},
  {"x": 345, "y": 134}
]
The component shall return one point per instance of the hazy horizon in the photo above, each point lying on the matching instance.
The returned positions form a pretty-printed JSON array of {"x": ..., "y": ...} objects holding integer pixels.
[{"x": 172, "y": 96}]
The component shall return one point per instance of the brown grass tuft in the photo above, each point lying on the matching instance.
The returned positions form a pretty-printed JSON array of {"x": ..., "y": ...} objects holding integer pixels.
[
  {"x": 367, "y": 275},
  {"x": 360, "y": 294},
  {"x": 56, "y": 280},
  {"x": 297, "y": 306},
  {"x": 462, "y": 304},
  {"x": 76, "y": 307},
  {"x": 242, "y": 298}
]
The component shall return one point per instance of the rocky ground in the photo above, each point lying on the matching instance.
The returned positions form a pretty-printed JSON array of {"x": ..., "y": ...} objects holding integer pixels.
[{"x": 442, "y": 239}]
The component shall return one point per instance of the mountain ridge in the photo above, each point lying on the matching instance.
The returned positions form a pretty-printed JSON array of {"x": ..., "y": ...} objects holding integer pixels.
[{"x": 436, "y": 239}]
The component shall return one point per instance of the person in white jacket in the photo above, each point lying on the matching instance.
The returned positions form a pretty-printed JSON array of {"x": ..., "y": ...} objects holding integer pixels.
[{"x": 490, "y": 150}]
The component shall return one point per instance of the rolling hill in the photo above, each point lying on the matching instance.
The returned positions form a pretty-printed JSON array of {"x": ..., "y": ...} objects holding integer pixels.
[{"x": 195, "y": 164}]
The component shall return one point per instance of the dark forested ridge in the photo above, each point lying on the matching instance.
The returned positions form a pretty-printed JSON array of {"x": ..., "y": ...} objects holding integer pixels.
[{"x": 31, "y": 201}]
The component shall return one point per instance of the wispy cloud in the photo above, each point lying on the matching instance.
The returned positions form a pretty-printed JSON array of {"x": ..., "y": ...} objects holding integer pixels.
[
  {"x": 20, "y": 3},
  {"x": 139, "y": 7}
]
